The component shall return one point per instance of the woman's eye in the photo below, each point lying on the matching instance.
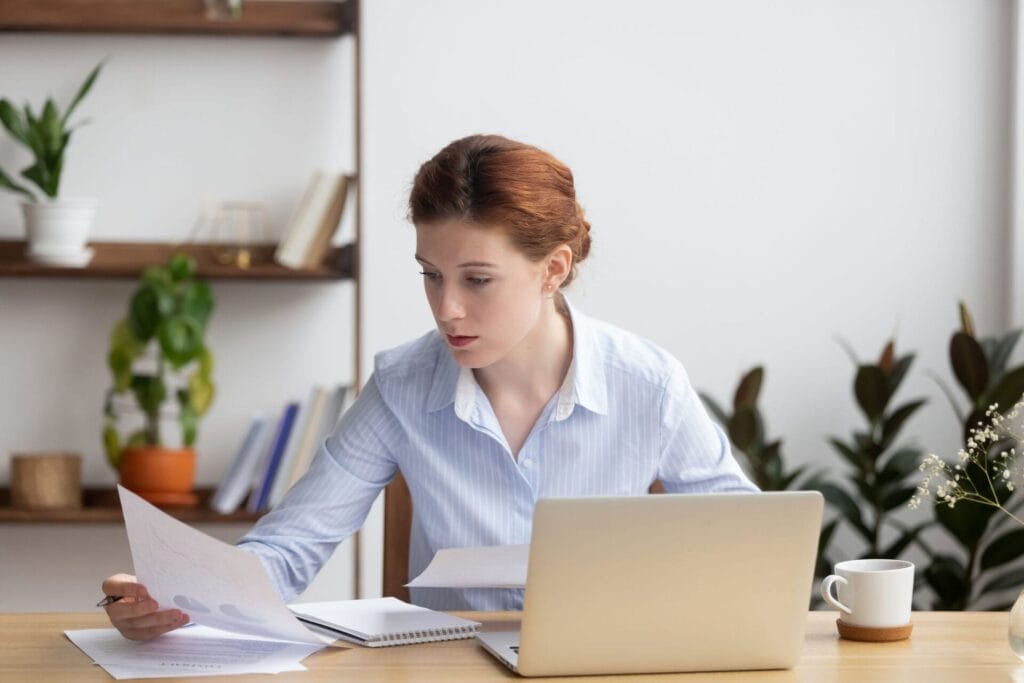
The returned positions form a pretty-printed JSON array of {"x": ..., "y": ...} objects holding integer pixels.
[
  {"x": 430, "y": 276},
  {"x": 478, "y": 281}
]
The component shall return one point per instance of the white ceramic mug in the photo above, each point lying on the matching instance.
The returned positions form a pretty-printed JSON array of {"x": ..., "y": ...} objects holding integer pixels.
[{"x": 872, "y": 593}]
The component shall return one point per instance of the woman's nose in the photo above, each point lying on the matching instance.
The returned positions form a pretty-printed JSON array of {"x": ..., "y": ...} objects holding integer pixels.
[{"x": 450, "y": 307}]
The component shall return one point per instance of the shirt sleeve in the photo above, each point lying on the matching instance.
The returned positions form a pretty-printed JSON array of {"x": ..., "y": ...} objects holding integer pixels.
[
  {"x": 331, "y": 501},
  {"x": 696, "y": 455}
]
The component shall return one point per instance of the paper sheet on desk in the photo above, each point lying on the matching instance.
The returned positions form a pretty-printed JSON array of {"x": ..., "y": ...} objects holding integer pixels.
[
  {"x": 493, "y": 566},
  {"x": 193, "y": 651},
  {"x": 214, "y": 583}
]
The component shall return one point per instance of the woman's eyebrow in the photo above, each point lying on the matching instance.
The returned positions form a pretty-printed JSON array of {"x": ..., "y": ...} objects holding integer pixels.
[{"x": 467, "y": 264}]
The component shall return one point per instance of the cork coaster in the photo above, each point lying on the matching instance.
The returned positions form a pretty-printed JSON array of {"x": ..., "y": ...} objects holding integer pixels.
[{"x": 874, "y": 635}]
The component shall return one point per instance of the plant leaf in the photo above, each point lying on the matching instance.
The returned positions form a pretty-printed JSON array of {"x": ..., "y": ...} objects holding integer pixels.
[
  {"x": 843, "y": 502},
  {"x": 14, "y": 122},
  {"x": 197, "y": 302},
  {"x": 715, "y": 409},
  {"x": 1009, "y": 390},
  {"x": 83, "y": 90},
  {"x": 181, "y": 339},
  {"x": 1001, "y": 353},
  {"x": 892, "y": 424},
  {"x": 897, "y": 498},
  {"x": 749, "y": 388},
  {"x": 966, "y": 521},
  {"x": 8, "y": 183},
  {"x": 899, "y": 465},
  {"x": 947, "y": 577},
  {"x": 743, "y": 428},
  {"x": 899, "y": 372},
  {"x": 1006, "y": 548},
  {"x": 1011, "y": 579},
  {"x": 872, "y": 390},
  {"x": 969, "y": 364},
  {"x": 852, "y": 456}
]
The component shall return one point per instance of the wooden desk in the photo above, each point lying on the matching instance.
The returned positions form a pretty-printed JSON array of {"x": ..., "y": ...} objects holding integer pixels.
[{"x": 946, "y": 646}]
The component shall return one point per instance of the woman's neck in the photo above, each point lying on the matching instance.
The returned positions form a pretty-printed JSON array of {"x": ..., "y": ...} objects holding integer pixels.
[{"x": 535, "y": 369}]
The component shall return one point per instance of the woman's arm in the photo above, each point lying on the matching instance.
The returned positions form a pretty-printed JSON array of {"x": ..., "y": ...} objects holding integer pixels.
[{"x": 696, "y": 455}]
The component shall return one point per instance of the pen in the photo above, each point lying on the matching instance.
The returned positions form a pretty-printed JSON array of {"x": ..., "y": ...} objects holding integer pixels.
[{"x": 109, "y": 600}]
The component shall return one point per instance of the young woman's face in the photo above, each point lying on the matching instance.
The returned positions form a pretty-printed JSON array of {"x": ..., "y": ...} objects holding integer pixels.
[{"x": 486, "y": 296}]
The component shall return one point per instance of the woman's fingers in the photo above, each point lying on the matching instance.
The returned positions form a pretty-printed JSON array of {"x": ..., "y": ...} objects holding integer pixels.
[
  {"x": 124, "y": 585},
  {"x": 152, "y": 625}
]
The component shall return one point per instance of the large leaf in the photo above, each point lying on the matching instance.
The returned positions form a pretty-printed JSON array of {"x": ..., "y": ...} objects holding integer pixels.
[
  {"x": 150, "y": 392},
  {"x": 849, "y": 509},
  {"x": 1001, "y": 352},
  {"x": 947, "y": 577},
  {"x": 1011, "y": 579},
  {"x": 14, "y": 122},
  {"x": 714, "y": 409},
  {"x": 748, "y": 389},
  {"x": 1006, "y": 548},
  {"x": 899, "y": 465},
  {"x": 872, "y": 390},
  {"x": 181, "y": 339},
  {"x": 853, "y": 457},
  {"x": 966, "y": 521},
  {"x": 899, "y": 372},
  {"x": 893, "y": 423},
  {"x": 51, "y": 129},
  {"x": 8, "y": 183},
  {"x": 148, "y": 307},
  {"x": 1009, "y": 390},
  {"x": 200, "y": 392},
  {"x": 82, "y": 92},
  {"x": 743, "y": 428},
  {"x": 181, "y": 267},
  {"x": 897, "y": 497},
  {"x": 188, "y": 418},
  {"x": 112, "y": 446},
  {"x": 197, "y": 302},
  {"x": 969, "y": 364}
]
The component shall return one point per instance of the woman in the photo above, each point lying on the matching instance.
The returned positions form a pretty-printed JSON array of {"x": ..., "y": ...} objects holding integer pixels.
[{"x": 515, "y": 396}]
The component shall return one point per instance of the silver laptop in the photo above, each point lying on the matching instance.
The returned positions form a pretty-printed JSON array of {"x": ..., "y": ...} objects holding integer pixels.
[{"x": 665, "y": 583}]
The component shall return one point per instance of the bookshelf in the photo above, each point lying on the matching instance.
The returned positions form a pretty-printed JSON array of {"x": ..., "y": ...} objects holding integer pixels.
[
  {"x": 100, "y": 506},
  {"x": 327, "y": 19},
  {"x": 129, "y": 259},
  {"x": 297, "y": 18}
]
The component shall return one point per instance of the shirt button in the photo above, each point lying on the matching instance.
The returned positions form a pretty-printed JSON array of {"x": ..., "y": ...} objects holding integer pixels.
[{"x": 527, "y": 463}]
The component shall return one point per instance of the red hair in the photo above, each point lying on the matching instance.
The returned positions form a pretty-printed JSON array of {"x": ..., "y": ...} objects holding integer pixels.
[{"x": 491, "y": 180}]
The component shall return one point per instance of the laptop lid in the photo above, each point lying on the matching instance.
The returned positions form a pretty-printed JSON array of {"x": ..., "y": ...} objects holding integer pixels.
[{"x": 669, "y": 583}]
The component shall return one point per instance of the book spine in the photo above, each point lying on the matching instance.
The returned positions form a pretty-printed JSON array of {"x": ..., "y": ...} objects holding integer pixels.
[{"x": 275, "y": 455}]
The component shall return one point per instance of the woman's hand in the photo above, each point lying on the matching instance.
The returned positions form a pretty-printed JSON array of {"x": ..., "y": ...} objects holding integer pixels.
[{"x": 136, "y": 615}]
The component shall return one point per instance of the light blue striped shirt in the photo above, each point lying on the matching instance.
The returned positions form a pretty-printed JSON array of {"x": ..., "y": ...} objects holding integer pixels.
[{"x": 624, "y": 417}]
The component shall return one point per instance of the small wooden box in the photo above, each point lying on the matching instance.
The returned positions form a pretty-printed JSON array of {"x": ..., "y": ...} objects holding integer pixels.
[{"x": 46, "y": 480}]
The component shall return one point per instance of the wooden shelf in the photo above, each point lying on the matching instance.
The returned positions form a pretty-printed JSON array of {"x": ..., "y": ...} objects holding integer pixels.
[
  {"x": 100, "y": 506},
  {"x": 129, "y": 259},
  {"x": 324, "y": 18}
]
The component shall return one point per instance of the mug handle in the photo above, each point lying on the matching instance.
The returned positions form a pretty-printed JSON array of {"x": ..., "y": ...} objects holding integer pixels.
[{"x": 826, "y": 592}]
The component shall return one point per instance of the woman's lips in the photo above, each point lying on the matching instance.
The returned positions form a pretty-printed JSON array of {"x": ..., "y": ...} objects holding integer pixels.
[{"x": 459, "y": 341}]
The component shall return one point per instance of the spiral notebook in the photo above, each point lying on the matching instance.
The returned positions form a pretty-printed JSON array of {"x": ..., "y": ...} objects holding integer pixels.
[{"x": 380, "y": 622}]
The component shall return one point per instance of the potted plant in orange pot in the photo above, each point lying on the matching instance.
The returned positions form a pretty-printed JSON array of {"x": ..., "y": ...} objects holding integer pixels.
[{"x": 162, "y": 370}]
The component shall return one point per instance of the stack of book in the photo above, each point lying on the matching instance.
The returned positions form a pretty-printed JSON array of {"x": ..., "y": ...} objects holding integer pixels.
[
  {"x": 307, "y": 238},
  {"x": 276, "y": 452}
]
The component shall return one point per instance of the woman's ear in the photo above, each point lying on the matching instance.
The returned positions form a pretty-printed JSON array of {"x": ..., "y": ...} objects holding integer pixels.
[{"x": 558, "y": 266}]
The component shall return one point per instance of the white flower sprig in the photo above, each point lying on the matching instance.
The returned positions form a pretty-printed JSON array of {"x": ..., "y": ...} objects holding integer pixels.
[{"x": 1002, "y": 469}]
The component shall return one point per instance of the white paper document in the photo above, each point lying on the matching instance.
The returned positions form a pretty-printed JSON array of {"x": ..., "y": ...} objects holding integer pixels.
[
  {"x": 214, "y": 583},
  {"x": 494, "y": 566},
  {"x": 240, "y": 624},
  {"x": 191, "y": 651}
]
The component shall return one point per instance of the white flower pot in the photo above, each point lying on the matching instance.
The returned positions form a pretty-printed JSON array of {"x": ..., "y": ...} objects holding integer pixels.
[{"x": 57, "y": 230}]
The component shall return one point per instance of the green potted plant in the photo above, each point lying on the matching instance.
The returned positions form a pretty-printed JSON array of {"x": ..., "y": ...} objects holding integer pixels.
[
  {"x": 161, "y": 367},
  {"x": 56, "y": 228}
]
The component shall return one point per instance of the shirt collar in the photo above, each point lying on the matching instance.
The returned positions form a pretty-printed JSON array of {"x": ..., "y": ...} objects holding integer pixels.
[{"x": 584, "y": 383}]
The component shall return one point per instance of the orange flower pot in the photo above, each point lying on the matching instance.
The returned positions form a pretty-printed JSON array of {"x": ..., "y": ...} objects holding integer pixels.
[{"x": 163, "y": 476}]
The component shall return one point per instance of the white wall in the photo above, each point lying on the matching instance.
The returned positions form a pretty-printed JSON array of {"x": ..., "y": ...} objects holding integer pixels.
[{"x": 762, "y": 178}]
